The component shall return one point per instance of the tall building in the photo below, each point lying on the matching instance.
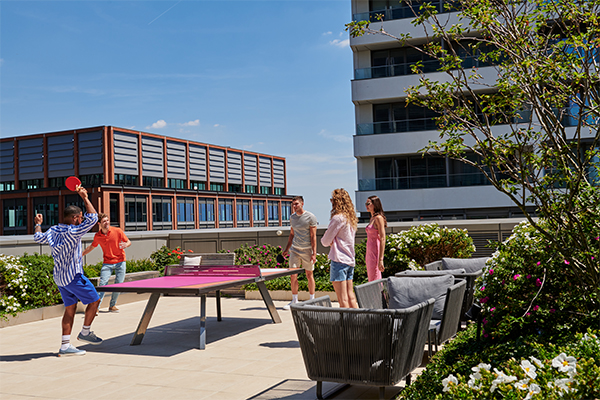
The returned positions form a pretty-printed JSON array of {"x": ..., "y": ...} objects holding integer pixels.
[
  {"x": 143, "y": 181},
  {"x": 390, "y": 134}
]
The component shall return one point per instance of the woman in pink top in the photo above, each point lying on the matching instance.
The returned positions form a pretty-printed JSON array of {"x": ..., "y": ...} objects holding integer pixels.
[
  {"x": 375, "y": 239},
  {"x": 340, "y": 236}
]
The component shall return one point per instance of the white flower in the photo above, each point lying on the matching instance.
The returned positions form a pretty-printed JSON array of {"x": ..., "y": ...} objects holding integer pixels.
[
  {"x": 529, "y": 369},
  {"x": 501, "y": 377},
  {"x": 448, "y": 382},
  {"x": 481, "y": 366},
  {"x": 522, "y": 384},
  {"x": 533, "y": 389},
  {"x": 537, "y": 362},
  {"x": 565, "y": 363},
  {"x": 562, "y": 384}
]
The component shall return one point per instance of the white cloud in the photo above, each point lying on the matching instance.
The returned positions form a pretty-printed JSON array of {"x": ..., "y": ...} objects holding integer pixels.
[
  {"x": 337, "y": 138},
  {"x": 340, "y": 43},
  {"x": 195, "y": 122},
  {"x": 158, "y": 124},
  {"x": 327, "y": 33},
  {"x": 216, "y": 125}
]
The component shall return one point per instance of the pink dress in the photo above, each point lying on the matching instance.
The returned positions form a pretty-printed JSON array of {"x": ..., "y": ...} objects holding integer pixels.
[{"x": 372, "y": 256}]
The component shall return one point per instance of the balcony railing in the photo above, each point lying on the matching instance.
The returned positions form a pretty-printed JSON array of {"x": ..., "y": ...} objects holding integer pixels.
[
  {"x": 422, "y": 124},
  {"x": 386, "y": 71},
  {"x": 423, "y": 182},
  {"x": 403, "y": 11}
]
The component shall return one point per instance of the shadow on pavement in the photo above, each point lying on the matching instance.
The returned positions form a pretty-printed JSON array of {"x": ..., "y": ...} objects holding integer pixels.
[{"x": 26, "y": 357}]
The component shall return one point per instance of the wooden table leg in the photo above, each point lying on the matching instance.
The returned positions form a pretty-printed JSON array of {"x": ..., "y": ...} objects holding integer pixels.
[{"x": 138, "y": 336}]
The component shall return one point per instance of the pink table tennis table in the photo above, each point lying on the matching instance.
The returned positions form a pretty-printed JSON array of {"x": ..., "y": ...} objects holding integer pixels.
[{"x": 199, "y": 281}]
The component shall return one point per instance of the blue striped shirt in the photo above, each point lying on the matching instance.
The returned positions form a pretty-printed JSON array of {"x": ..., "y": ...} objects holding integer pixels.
[{"x": 65, "y": 242}]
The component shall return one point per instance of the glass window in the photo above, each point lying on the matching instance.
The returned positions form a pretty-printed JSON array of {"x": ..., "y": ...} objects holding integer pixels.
[
  {"x": 136, "y": 213},
  {"x": 206, "y": 212},
  {"x": 265, "y": 190},
  {"x": 251, "y": 189},
  {"x": 198, "y": 185},
  {"x": 48, "y": 207},
  {"x": 286, "y": 211},
  {"x": 15, "y": 216},
  {"x": 278, "y": 191},
  {"x": 243, "y": 213},
  {"x": 114, "y": 209},
  {"x": 7, "y": 186},
  {"x": 162, "y": 213},
  {"x": 258, "y": 213},
  {"x": 185, "y": 213},
  {"x": 225, "y": 213},
  {"x": 273, "y": 213},
  {"x": 30, "y": 184},
  {"x": 92, "y": 180},
  {"x": 217, "y": 187},
  {"x": 177, "y": 183},
  {"x": 126, "y": 180},
  {"x": 235, "y": 188},
  {"x": 153, "y": 181}
]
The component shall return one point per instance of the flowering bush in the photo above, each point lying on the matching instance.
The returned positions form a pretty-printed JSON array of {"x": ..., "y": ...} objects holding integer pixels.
[
  {"x": 565, "y": 377},
  {"x": 145, "y": 264},
  {"x": 265, "y": 256},
  {"x": 26, "y": 282},
  {"x": 526, "y": 287},
  {"x": 422, "y": 244},
  {"x": 165, "y": 256}
]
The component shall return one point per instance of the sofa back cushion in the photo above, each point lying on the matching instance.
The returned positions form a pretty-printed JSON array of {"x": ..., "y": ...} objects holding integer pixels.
[
  {"x": 469, "y": 264},
  {"x": 406, "y": 292},
  {"x": 192, "y": 260}
]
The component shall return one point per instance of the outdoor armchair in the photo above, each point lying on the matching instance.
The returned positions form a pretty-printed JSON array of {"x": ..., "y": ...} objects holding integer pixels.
[
  {"x": 401, "y": 291},
  {"x": 359, "y": 346}
]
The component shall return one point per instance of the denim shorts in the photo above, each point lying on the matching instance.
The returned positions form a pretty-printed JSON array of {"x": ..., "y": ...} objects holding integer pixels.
[
  {"x": 80, "y": 288},
  {"x": 340, "y": 272}
]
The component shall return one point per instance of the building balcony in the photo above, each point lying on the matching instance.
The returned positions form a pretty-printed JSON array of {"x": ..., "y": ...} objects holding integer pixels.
[
  {"x": 423, "y": 182},
  {"x": 403, "y": 11}
]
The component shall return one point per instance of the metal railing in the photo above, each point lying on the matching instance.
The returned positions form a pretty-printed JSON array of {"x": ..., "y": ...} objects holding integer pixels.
[{"x": 423, "y": 182}]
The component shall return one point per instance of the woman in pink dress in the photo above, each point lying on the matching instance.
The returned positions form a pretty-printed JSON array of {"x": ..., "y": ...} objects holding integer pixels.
[{"x": 375, "y": 239}]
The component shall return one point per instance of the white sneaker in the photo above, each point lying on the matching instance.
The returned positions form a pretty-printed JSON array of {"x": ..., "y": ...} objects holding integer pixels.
[{"x": 287, "y": 306}]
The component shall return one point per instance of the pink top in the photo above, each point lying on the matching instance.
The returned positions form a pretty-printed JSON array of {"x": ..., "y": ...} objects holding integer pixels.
[{"x": 340, "y": 236}]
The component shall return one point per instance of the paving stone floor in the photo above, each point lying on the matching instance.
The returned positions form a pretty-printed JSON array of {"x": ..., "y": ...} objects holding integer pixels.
[{"x": 246, "y": 357}]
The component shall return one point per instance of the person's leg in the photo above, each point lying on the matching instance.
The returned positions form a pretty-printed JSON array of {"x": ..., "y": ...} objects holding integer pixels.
[
  {"x": 310, "y": 276},
  {"x": 341, "y": 293},
  {"x": 294, "y": 284},
  {"x": 119, "y": 278},
  {"x": 90, "y": 313},
  {"x": 105, "y": 273},
  {"x": 351, "y": 297},
  {"x": 68, "y": 319}
]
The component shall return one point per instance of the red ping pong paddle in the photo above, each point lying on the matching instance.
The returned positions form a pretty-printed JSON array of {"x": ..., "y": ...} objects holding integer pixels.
[{"x": 72, "y": 183}]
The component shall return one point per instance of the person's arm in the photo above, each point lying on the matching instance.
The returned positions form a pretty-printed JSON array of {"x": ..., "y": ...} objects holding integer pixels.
[
  {"x": 289, "y": 243},
  {"x": 89, "y": 207},
  {"x": 89, "y": 222},
  {"x": 313, "y": 243},
  {"x": 125, "y": 242},
  {"x": 38, "y": 236},
  {"x": 381, "y": 230},
  {"x": 88, "y": 249},
  {"x": 331, "y": 232}
]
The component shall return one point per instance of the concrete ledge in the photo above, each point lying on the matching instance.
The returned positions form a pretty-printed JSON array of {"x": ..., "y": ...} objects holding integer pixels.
[{"x": 286, "y": 295}]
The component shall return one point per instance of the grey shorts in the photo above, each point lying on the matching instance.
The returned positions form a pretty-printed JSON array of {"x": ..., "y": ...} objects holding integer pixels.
[{"x": 300, "y": 258}]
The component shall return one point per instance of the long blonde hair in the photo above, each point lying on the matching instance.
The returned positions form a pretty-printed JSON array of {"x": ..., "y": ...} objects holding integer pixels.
[{"x": 341, "y": 203}]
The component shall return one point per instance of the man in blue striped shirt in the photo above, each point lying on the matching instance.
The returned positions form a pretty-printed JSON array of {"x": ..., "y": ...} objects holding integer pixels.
[{"x": 65, "y": 241}]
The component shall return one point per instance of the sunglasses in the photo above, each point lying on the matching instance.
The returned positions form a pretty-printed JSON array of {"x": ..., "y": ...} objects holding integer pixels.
[{"x": 368, "y": 203}]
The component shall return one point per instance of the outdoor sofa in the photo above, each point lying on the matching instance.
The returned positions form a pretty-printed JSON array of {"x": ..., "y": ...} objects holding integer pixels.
[
  {"x": 395, "y": 292},
  {"x": 360, "y": 346}
]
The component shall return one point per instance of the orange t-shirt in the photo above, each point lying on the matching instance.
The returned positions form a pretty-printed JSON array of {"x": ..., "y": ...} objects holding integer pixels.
[{"x": 110, "y": 244}]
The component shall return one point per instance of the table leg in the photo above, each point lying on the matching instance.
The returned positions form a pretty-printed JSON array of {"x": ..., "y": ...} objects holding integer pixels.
[
  {"x": 262, "y": 288},
  {"x": 218, "y": 296},
  {"x": 202, "y": 322},
  {"x": 138, "y": 336}
]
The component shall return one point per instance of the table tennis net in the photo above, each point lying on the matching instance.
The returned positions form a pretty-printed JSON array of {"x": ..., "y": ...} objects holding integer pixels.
[{"x": 213, "y": 270}]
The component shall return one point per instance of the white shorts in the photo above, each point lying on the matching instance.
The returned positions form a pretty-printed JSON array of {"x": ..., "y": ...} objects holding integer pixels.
[{"x": 301, "y": 258}]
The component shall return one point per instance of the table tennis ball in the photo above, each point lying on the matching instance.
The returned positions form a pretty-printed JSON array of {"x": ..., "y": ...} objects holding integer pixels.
[{"x": 279, "y": 233}]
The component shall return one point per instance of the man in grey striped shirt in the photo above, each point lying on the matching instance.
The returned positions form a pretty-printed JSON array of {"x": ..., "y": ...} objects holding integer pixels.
[{"x": 65, "y": 241}]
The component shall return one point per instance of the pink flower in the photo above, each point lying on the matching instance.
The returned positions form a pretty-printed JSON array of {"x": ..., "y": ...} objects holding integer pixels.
[
  {"x": 528, "y": 314},
  {"x": 566, "y": 262},
  {"x": 485, "y": 321},
  {"x": 539, "y": 263},
  {"x": 482, "y": 289},
  {"x": 264, "y": 246},
  {"x": 528, "y": 276},
  {"x": 517, "y": 276},
  {"x": 484, "y": 300},
  {"x": 552, "y": 310},
  {"x": 535, "y": 308},
  {"x": 491, "y": 271},
  {"x": 493, "y": 309},
  {"x": 538, "y": 282}
]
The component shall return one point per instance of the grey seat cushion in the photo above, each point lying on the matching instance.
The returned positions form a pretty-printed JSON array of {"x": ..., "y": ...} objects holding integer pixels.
[
  {"x": 432, "y": 273},
  {"x": 406, "y": 292},
  {"x": 469, "y": 264}
]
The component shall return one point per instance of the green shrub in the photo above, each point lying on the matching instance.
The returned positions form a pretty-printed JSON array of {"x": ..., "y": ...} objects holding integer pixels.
[
  {"x": 165, "y": 256},
  {"x": 26, "y": 283},
  {"x": 422, "y": 244},
  {"x": 145, "y": 264},
  {"x": 526, "y": 288},
  {"x": 461, "y": 355}
]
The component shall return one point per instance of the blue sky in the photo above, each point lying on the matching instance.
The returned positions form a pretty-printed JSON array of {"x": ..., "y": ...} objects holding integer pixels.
[{"x": 266, "y": 76}]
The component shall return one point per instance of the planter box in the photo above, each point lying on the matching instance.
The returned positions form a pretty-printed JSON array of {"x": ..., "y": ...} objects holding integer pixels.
[
  {"x": 58, "y": 310},
  {"x": 286, "y": 295}
]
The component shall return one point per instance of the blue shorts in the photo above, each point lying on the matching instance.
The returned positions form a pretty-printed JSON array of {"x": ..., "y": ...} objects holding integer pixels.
[
  {"x": 79, "y": 289},
  {"x": 340, "y": 272}
]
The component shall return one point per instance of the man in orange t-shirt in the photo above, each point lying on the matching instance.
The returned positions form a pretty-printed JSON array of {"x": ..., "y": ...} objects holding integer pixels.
[{"x": 113, "y": 242}]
